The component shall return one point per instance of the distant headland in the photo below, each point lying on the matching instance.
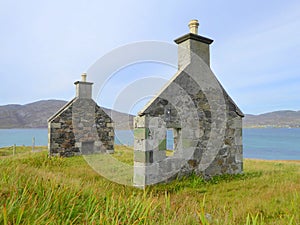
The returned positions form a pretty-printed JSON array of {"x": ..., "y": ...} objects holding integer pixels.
[{"x": 35, "y": 115}]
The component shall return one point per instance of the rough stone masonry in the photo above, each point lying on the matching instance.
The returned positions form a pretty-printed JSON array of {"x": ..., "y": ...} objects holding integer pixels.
[
  {"x": 81, "y": 126},
  {"x": 205, "y": 122}
]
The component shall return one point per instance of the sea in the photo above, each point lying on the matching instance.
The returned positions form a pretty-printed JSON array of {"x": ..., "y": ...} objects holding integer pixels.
[{"x": 259, "y": 143}]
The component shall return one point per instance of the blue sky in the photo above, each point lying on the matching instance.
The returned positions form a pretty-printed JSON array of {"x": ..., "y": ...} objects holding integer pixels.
[{"x": 46, "y": 45}]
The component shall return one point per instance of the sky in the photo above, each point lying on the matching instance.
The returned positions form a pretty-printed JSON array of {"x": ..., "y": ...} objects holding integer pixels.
[{"x": 46, "y": 45}]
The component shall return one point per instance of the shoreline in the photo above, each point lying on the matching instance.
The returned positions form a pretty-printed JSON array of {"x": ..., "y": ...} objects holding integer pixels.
[{"x": 251, "y": 159}]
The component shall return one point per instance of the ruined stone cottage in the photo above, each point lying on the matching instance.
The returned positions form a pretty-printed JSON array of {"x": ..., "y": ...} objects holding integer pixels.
[
  {"x": 205, "y": 122},
  {"x": 81, "y": 126}
]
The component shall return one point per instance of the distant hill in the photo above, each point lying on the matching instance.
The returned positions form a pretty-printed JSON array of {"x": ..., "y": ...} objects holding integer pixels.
[
  {"x": 284, "y": 118},
  {"x": 36, "y": 114}
]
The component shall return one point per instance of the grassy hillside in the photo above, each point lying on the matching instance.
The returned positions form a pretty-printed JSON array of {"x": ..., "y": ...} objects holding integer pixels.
[
  {"x": 33, "y": 115},
  {"x": 283, "y": 118},
  {"x": 36, "y": 114},
  {"x": 36, "y": 189}
]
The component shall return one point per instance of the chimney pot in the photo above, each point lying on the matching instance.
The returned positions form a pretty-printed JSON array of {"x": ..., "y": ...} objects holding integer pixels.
[
  {"x": 193, "y": 25},
  {"x": 83, "y": 77}
]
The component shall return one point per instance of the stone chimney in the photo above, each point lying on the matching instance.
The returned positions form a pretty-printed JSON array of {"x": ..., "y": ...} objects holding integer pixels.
[
  {"x": 83, "y": 88},
  {"x": 192, "y": 43}
]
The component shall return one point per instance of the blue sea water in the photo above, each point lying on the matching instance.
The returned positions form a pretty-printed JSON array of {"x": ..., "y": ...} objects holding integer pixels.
[
  {"x": 272, "y": 143},
  {"x": 9, "y": 137},
  {"x": 267, "y": 143}
]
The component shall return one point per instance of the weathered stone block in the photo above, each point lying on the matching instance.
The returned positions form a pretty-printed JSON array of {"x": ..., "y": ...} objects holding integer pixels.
[
  {"x": 109, "y": 124},
  {"x": 143, "y": 156},
  {"x": 140, "y": 145},
  {"x": 56, "y": 125},
  {"x": 187, "y": 143},
  {"x": 159, "y": 156},
  {"x": 140, "y": 122},
  {"x": 141, "y": 133},
  {"x": 139, "y": 178},
  {"x": 110, "y": 151}
]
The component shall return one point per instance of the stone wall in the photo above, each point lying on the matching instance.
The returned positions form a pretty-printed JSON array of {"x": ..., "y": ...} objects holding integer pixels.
[
  {"x": 81, "y": 127},
  {"x": 207, "y": 124}
]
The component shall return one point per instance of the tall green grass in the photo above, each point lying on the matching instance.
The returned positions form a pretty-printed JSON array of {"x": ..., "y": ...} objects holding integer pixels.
[
  {"x": 11, "y": 150},
  {"x": 36, "y": 189}
]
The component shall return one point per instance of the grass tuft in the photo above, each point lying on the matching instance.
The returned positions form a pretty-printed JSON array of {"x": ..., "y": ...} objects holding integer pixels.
[{"x": 36, "y": 189}]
